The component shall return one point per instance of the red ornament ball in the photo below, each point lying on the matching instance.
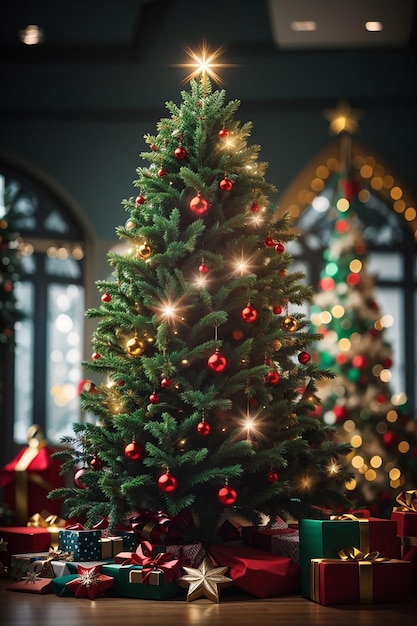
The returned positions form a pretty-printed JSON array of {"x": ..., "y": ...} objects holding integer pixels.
[
  {"x": 237, "y": 334},
  {"x": 272, "y": 378},
  {"x": 162, "y": 172},
  {"x": 226, "y": 496},
  {"x": 180, "y": 153},
  {"x": 133, "y": 451},
  {"x": 203, "y": 428},
  {"x": 269, "y": 242},
  {"x": 223, "y": 133},
  {"x": 78, "y": 478},
  {"x": 341, "y": 413},
  {"x": 304, "y": 358},
  {"x": 279, "y": 248},
  {"x": 106, "y": 297},
  {"x": 166, "y": 383},
  {"x": 95, "y": 356},
  {"x": 198, "y": 205},
  {"x": 167, "y": 483},
  {"x": 217, "y": 362},
  {"x": 226, "y": 184},
  {"x": 154, "y": 398},
  {"x": 255, "y": 208},
  {"x": 140, "y": 199},
  {"x": 277, "y": 309},
  {"x": 96, "y": 463},
  {"x": 203, "y": 269},
  {"x": 272, "y": 476},
  {"x": 249, "y": 314}
]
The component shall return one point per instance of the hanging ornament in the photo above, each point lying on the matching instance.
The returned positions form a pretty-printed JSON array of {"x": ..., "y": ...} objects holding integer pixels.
[
  {"x": 145, "y": 251},
  {"x": 140, "y": 199},
  {"x": 96, "y": 463},
  {"x": 279, "y": 248},
  {"x": 272, "y": 377},
  {"x": 290, "y": 323},
  {"x": 198, "y": 205},
  {"x": 203, "y": 428},
  {"x": 202, "y": 268},
  {"x": 226, "y": 184},
  {"x": 154, "y": 398},
  {"x": 95, "y": 356},
  {"x": 88, "y": 386},
  {"x": 217, "y": 362},
  {"x": 78, "y": 476},
  {"x": 106, "y": 297},
  {"x": 249, "y": 314},
  {"x": 269, "y": 242},
  {"x": 167, "y": 483},
  {"x": 277, "y": 309},
  {"x": 154, "y": 147},
  {"x": 166, "y": 383},
  {"x": 180, "y": 153},
  {"x": 134, "y": 451},
  {"x": 226, "y": 495},
  {"x": 162, "y": 172},
  {"x": 135, "y": 346},
  {"x": 255, "y": 208},
  {"x": 272, "y": 476},
  {"x": 304, "y": 358},
  {"x": 223, "y": 133},
  {"x": 130, "y": 224}
]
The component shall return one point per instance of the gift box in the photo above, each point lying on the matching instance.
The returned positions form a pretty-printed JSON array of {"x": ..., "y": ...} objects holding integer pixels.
[
  {"x": 89, "y": 582},
  {"x": 405, "y": 516},
  {"x": 129, "y": 583},
  {"x": 325, "y": 539},
  {"x": 22, "y": 539},
  {"x": 130, "y": 539},
  {"x": 191, "y": 554},
  {"x": 335, "y": 581},
  {"x": 110, "y": 546},
  {"x": 65, "y": 568},
  {"x": 30, "y": 476},
  {"x": 257, "y": 572},
  {"x": 20, "y": 564},
  {"x": 32, "y": 585},
  {"x": 59, "y": 585},
  {"x": 283, "y": 541},
  {"x": 85, "y": 545}
]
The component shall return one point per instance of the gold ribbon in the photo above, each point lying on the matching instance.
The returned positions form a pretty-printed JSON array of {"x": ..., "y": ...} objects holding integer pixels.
[
  {"x": 407, "y": 501},
  {"x": 363, "y": 528},
  {"x": 36, "y": 442},
  {"x": 52, "y": 523}
]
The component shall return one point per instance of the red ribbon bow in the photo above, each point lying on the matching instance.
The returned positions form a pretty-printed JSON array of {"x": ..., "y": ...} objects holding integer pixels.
[
  {"x": 158, "y": 527},
  {"x": 164, "y": 561}
]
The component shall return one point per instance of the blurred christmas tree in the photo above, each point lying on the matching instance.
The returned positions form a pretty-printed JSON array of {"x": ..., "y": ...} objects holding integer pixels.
[
  {"x": 10, "y": 271},
  {"x": 208, "y": 403},
  {"x": 359, "y": 400}
]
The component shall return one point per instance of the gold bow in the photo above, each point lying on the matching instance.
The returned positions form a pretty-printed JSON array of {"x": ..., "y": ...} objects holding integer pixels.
[
  {"x": 365, "y": 561},
  {"x": 52, "y": 523},
  {"x": 407, "y": 501},
  {"x": 354, "y": 554}
]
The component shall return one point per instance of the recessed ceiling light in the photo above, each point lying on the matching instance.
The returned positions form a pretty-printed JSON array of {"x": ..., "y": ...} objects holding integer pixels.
[
  {"x": 31, "y": 35},
  {"x": 307, "y": 25},
  {"x": 373, "y": 27}
]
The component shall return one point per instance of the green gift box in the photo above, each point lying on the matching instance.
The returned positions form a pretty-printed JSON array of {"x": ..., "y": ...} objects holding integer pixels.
[
  {"x": 59, "y": 585},
  {"x": 128, "y": 583},
  {"x": 325, "y": 538}
]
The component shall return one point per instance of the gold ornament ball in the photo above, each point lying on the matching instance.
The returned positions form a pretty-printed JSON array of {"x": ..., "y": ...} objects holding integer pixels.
[
  {"x": 290, "y": 324},
  {"x": 130, "y": 225},
  {"x": 277, "y": 345},
  {"x": 135, "y": 346},
  {"x": 144, "y": 251}
]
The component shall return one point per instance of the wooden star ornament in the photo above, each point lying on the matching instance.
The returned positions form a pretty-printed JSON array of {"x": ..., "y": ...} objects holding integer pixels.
[{"x": 204, "y": 581}]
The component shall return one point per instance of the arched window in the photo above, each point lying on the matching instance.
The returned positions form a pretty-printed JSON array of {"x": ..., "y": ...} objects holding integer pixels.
[
  {"x": 49, "y": 340},
  {"x": 388, "y": 214}
]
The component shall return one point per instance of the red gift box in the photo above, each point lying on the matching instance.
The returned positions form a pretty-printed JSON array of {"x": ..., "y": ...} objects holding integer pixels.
[
  {"x": 29, "y": 477},
  {"x": 259, "y": 573},
  {"x": 336, "y": 581},
  {"x": 406, "y": 518},
  {"x": 20, "y": 539},
  {"x": 36, "y": 585}
]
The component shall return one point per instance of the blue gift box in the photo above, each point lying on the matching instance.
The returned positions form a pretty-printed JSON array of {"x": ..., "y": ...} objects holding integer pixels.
[
  {"x": 85, "y": 545},
  {"x": 131, "y": 539}
]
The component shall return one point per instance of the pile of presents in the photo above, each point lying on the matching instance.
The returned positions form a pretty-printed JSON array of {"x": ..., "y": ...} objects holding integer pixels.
[{"x": 347, "y": 559}]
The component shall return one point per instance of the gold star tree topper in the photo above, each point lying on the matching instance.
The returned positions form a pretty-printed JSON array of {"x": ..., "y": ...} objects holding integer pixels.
[
  {"x": 203, "y": 64},
  {"x": 204, "y": 581},
  {"x": 343, "y": 119}
]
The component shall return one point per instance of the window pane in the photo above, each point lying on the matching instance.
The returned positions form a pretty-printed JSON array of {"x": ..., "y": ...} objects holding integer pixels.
[
  {"x": 385, "y": 266},
  {"x": 64, "y": 356},
  {"x": 55, "y": 266},
  {"x": 24, "y": 360}
]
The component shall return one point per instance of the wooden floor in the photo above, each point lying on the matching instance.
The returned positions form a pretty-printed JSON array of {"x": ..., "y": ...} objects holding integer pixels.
[{"x": 234, "y": 609}]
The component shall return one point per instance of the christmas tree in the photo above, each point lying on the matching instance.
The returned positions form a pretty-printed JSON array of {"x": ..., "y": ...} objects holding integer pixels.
[
  {"x": 208, "y": 394},
  {"x": 359, "y": 400}
]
